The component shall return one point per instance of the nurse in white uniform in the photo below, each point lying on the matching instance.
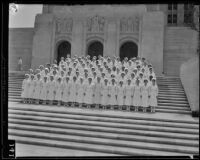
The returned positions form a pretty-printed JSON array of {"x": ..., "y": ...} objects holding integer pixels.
[
  {"x": 97, "y": 92},
  {"x": 38, "y": 86},
  {"x": 80, "y": 92},
  {"x": 153, "y": 94},
  {"x": 25, "y": 89},
  {"x": 89, "y": 93},
  {"x": 145, "y": 95},
  {"x": 137, "y": 95},
  {"x": 31, "y": 89},
  {"x": 44, "y": 89},
  {"x": 104, "y": 93},
  {"x": 51, "y": 90},
  {"x": 120, "y": 95},
  {"x": 66, "y": 91},
  {"x": 73, "y": 90},
  {"x": 129, "y": 94},
  {"x": 112, "y": 94},
  {"x": 59, "y": 90}
]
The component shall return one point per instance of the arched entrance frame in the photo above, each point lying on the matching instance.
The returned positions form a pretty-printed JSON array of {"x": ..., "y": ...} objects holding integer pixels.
[
  {"x": 91, "y": 40},
  {"x": 127, "y": 39},
  {"x": 58, "y": 41}
]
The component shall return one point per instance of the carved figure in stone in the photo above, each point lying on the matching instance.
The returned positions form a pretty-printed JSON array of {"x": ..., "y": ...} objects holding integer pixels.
[
  {"x": 137, "y": 21},
  {"x": 64, "y": 25},
  {"x": 69, "y": 24},
  {"x": 96, "y": 24},
  {"x": 101, "y": 24},
  {"x": 58, "y": 26},
  {"x": 89, "y": 24},
  {"x": 129, "y": 25},
  {"x": 123, "y": 24}
]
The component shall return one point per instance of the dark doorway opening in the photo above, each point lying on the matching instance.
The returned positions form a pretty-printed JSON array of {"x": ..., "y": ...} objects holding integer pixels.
[
  {"x": 64, "y": 48},
  {"x": 129, "y": 50},
  {"x": 95, "y": 49}
]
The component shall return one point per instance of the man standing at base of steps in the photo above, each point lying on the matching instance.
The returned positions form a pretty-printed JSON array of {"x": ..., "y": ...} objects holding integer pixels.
[{"x": 19, "y": 65}]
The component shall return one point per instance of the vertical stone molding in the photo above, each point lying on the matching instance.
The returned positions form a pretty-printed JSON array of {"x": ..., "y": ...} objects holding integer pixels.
[{"x": 152, "y": 39}]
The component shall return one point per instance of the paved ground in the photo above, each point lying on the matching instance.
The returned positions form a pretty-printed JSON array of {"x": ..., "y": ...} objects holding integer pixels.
[
  {"x": 32, "y": 150},
  {"x": 158, "y": 115}
]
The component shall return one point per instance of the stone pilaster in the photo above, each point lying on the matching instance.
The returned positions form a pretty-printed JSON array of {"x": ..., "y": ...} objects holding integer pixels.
[
  {"x": 152, "y": 39},
  {"x": 77, "y": 38},
  {"x": 111, "y": 44},
  {"x": 41, "y": 52}
]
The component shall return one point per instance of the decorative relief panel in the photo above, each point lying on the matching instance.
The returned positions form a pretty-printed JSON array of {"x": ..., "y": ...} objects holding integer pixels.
[
  {"x": 130, "y": 24},
  {"x": 64, "y": 25},
  {"x": 96, "y": 24}
]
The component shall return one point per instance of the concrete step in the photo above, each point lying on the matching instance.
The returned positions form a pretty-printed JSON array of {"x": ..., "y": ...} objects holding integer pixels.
[
  {"x": 26, "y": 150},
  {"x": 14, "y": 96},
  {"x": 158, "y": 109},
  {"x": 174, "y": 94},
  {"x": 14, "y": 100},
  {"x": 105, "y": 135},
  {"x": 173, "y": 101},
  {"x": 174, "y": 111},
  {"x": 171, "y": 90},
  {"x": 66, "y": 115},
  {"x": 38, "y": 122},
  {"x": 87, "y": 147},
  {"x": 169, "y": 98},
  {"x": 15, "y": 82},
  {"x": 174, "y": 108},
  {"x": 56, "y": 109},
  {"x": 103, "y": 124},
  {"x": 173, "y": 104},
  {"x": 14, "y": 93},
  {"x": 169, "y": 87},
  {"x": 101, "y": 141}
]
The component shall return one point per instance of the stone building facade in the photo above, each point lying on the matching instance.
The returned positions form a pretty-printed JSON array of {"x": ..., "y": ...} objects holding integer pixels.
[{"x": 109, "y": 30}]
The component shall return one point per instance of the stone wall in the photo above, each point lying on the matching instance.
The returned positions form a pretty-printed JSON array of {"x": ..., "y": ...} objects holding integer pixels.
[
  {"x": 180, "y": 44},
  {"x": 20, "y": 45},
  {"x": 152, "y": 37},
  {"x": 189, "y": 74}
]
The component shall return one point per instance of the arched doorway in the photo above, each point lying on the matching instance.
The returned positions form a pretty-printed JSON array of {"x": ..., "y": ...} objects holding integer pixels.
[
  {"x": 95, "y": 48},
  {"x": 63, "y": 49},
  {"x": 128, "y": 49}
]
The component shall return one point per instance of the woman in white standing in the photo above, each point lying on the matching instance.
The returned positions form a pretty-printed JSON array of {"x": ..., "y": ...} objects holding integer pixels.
[
  {"x": 104, "y": 93},
  {"x": 129, "y": 94},
  {"x": 97, "y": 92},
  {"x": 44, "y": 89},
  {"x": 112, "y": 91},
  {"x": 89, "y": 91},
  {"x": 80, "y": 92},
  {"x": 66, "y": 91},
  {"x": 25, "y": 89},
  {"x": 145, "y": 95},
  {"x": 73, "y": 90},
  {"x": 38, "y": 86},
  {"x": 120, "y": 95},
  {"x": 137, "y": 95},
  {"x": 31, "y": 89},
  {"x": 153, "y": 93},
  {"x": 51, "y": 90},
  {"x": 59, "y": 90}
]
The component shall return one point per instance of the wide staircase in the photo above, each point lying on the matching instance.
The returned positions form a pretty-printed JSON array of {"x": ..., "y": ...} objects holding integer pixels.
[{"x": 169, "y": 131}]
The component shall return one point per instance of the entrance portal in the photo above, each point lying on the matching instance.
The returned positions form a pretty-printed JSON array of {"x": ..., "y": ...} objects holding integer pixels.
[
  {"x": 129, "y": 50},
  {"x": 64, "y": 48},
  {"x": 95, "y": 49}
]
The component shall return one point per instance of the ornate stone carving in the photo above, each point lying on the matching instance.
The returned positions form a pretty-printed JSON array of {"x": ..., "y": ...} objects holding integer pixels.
[
  {"x": 96, "y": 24},
  {"x": 129, "y": 24},
  {"x": 64, "y": 25}
]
